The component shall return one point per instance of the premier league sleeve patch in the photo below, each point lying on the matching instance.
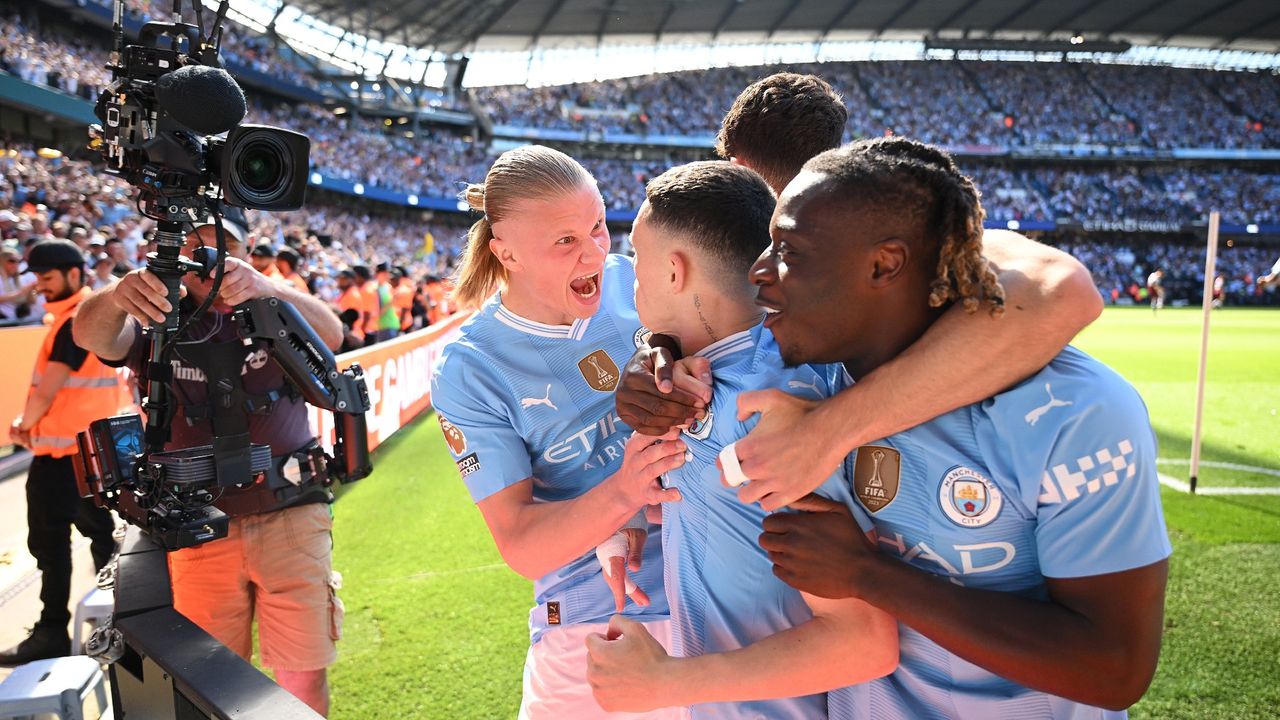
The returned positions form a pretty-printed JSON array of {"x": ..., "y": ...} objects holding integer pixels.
[
  {"x": 969, "y": 498},
  {"x": 453, "y": 436}
]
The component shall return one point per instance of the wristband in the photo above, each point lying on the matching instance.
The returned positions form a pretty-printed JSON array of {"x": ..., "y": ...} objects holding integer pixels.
[{"x": 733, "y": 474}]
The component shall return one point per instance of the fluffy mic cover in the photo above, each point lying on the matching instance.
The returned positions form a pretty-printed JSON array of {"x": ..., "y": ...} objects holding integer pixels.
[{"x": 201, "y": 98}]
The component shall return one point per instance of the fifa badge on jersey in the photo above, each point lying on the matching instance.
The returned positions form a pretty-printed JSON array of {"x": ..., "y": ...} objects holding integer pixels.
[
  {"x": 642, "y": 336},
  {"x": 553, "y": 612},
  {"x": 599, "y": 370},
  {"x": 969, "y": 498},
  {"x": 453, "y": 437},
  {"x": 700, "y": 429},
  {"x": 876, "y": 471}
]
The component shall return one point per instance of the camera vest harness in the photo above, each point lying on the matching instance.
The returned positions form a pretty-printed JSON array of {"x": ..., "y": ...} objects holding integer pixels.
[{"x": 295, "y": 478}]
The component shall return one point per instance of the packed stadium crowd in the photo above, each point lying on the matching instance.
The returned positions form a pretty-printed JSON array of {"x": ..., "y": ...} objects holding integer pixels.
[
  {"x": 998, "y": 104},
  {"x": 54, "y": 197},
  {"x": 1004, "y": 104}
]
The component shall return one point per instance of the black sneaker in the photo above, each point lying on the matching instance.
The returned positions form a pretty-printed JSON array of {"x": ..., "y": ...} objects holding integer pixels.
[{"x": 43, "y": 643}]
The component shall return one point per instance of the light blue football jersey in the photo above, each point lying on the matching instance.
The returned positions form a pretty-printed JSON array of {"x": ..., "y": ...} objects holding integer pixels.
[
  {"x": 720, "y": 583},
  {"x": 1053, "y": 478},
  {"x": 520, "y": 399}
]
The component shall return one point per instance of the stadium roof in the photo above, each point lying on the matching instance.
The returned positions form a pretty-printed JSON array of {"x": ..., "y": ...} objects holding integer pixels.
[{"x": 453, "y": 25}]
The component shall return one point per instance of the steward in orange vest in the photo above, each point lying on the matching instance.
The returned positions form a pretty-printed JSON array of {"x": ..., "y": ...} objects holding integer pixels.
[{"x": 69, "y": 389}]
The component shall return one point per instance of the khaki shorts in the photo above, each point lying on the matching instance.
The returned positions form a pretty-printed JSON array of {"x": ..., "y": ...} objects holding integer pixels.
[{"x": 276, "y": 565}]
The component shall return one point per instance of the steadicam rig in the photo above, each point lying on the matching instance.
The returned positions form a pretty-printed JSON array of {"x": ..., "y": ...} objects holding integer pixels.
[{"x": 171, "y": 494}]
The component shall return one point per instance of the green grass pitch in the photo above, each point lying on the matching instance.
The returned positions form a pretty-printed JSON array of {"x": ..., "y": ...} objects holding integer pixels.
[{"x": 436, "y": 625}]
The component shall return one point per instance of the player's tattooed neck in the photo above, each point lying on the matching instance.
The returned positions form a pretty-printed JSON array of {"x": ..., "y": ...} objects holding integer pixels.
[{"x": 711, "y": 332}]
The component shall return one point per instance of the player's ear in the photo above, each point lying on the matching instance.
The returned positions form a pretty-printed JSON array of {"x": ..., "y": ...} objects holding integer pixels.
[
  {"x": 679, "y": 271},
  {"x": 505, "y": 254},
  {"x": 889, "y": 259}
]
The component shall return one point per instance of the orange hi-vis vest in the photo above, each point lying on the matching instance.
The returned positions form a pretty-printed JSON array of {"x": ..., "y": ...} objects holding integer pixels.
[{"x": 90, "y": 393}]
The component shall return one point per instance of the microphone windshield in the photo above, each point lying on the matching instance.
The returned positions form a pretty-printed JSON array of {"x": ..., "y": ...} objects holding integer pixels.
[{"x": 201, "y": 98}]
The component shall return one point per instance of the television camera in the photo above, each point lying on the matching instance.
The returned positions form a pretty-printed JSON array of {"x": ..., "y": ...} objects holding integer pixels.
[{"x": 163, "y": 118}]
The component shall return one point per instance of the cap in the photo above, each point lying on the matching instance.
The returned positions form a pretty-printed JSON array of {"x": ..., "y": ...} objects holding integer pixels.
[
  {"x": 8, "y": 216},
  {"x": 383, "y": 267},
  {"x": 263, "y": 250},
  {"x": 235, "y": 231},
  {"x": 347, "y": 273},
  {"x": 54, "y": 255},
  {"x": 100, "y": 258}
]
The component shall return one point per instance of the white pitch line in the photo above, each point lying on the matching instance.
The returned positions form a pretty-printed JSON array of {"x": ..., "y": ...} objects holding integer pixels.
[
  {"x": 1221, "y": 465},
  {"x": 444, "y": 573},
  {"x": 1181, "y": 486}
]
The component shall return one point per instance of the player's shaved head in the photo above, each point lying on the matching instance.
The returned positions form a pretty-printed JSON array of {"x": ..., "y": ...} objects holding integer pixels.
[{"x": 718, "y": 209}]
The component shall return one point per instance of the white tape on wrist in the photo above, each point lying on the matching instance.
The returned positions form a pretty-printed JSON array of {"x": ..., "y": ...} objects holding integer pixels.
[
  {"x": 732, "y": 469},
  {"x": 614, "y": 546}
]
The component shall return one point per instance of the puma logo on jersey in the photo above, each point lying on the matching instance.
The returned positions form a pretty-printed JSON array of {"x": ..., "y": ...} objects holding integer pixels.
[
  {"x": 530, "y": 402},
  {"x": 1034, "y": 416},
  {"x": 797, "y": 385}
]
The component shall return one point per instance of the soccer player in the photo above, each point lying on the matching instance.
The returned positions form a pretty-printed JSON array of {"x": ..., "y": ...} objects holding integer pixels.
[
  {"x": 698, "y": 232},
  {"x": 1155, "y": 286},
  {"x": 1271, "y": 276},
  {"x": 1019, "y": 541},
  {"x": 774, "y": 127},
  {"x": 525, "y": 399},
  {"x": 776, "y": 124}
]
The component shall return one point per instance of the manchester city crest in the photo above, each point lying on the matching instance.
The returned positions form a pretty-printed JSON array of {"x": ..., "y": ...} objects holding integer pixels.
[
  {"x": 701, "y": 429},
  {"x": 969, "y": 498},
  {"x": 642, "y": 336}
]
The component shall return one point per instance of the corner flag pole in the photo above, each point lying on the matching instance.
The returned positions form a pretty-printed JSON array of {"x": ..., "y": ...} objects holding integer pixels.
[{"x": 1210, "y": 265}]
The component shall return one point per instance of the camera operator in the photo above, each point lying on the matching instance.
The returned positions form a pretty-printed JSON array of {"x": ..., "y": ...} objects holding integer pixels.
[
  {"x": 69, "y": 389},
  {"x": 275, "y": 562}
]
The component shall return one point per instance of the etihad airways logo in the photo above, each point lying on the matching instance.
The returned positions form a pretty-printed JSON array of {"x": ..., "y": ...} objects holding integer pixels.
[{"x": 595, "y": 445}]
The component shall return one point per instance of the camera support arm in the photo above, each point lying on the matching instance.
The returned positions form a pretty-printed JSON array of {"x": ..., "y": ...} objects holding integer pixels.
[{"x": 312, "y": 368}]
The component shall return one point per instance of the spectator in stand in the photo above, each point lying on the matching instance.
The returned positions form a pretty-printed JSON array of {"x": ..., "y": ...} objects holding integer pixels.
[
  {"x": 288, "y": 262},
  {"x": 263, "y": 259},
  {"x": 16, "y": 295}
]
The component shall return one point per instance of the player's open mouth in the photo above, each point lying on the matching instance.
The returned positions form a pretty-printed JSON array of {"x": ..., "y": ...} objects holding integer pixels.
[
  {"x": 586, "y": 287},
  {"x": 772, "y": 312}
]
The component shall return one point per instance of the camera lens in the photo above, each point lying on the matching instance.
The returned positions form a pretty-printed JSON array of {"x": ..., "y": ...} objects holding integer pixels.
[
  {"x": 264, "y": 168},
  {"x": 260, "y": 166}
]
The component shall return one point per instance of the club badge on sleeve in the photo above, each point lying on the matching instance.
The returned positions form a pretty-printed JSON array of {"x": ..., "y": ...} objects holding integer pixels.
[{"x": 876, "y": 471}]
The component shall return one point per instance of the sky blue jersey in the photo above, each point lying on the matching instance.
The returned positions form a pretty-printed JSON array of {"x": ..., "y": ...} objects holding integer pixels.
[
  {"x": 520, "y": 399},
  {"x": 720, "y": 583},
  {"x": 1053, "y": 478}
]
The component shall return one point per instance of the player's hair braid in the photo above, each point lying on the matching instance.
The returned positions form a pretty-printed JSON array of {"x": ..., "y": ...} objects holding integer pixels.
[{"x": 954, "y": 213}]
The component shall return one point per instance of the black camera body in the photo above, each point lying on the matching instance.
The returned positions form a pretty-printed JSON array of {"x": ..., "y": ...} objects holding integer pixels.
[{"x": 161, "y": 116}]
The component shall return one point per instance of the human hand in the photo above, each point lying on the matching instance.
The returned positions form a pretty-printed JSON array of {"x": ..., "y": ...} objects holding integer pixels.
[
  {"x": 142, "y": 295},
  {"x": 645, "y": 459},
  {"x": 820, "y": 551},
  {"x": 789, "y": 453},
  {"x": 18, "y": 435},
  {"x": 241, "y": 282},
  {"x": 621, "y": 552},
  {"x": 657, "y": 393},
  {"x": 626, "y": 668}
]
